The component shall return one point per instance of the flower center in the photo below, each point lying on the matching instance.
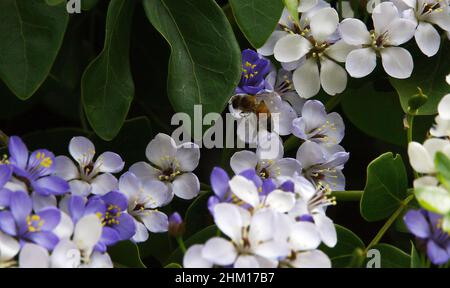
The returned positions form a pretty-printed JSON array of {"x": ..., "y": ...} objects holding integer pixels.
[
  {"x": 112, "y": 215},
  {"x": 429, "y": 8},
  {"x": 169, "y": 175},
  {"x": 44, "y": 160},
  {"x": 318, "y": 49},
  {"x": 378, "y": 41},
  {"x": 249, "y": 70},
  {"x": 34, "y": 223}
]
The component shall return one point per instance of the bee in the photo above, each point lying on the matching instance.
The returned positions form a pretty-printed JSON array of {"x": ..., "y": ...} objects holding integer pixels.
[{"x": 247, "y": 104}]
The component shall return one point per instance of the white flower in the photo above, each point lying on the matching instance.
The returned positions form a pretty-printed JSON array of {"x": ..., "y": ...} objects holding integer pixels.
[
  {"x": 425, "y": 13},
  {"x": 9, "y": 248},
  {"x": 88, "y": 176},
  {"x": 143, "y": 200},
  {"x": 311, "y": 206},
  {"x": 76, "y": 253},
  {"x": 421, "y": 158},
  {"x": 266, "y": 165},
  {"x": 390, "y": 31},
  {"x": 442, "y": 126},
  {"x": 318, "y": 53},
  {"x": 252, "y": 242},
  {"x": 247, "y": 191},
  {"x": 172, "y": 165}
]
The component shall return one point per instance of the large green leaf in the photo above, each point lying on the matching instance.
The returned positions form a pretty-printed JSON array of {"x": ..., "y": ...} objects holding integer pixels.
[
  {"x": 392, "y": 257},
  {"x": 377, "y": 112},
  {"x": 429, "y": 74},
  {"x": 257, "y": 18},
  {"x": 107, "y": 84},
  {"x": 347, "y": 242},
  {"x": 31, "y": 34},
  {"x": 386, "y": 187},
  {"x": 125, "y": 254},
  {"x": 204, "y": 66}
]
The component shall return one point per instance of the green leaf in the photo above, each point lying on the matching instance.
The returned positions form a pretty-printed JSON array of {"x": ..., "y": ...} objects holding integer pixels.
[
  {"x": 377, "y": 112},
  {"x": 443, "y": 168},
  {"x": 198, "y": 238},
  {"x": 107, "y": 84},
  {"x": 131, "y": 141},
  {"x": 392, "y": 257},
  {"x": 257, "y": 19},
  {"x": 205, "y": 63},
  {"x": 54, "y": 2},
  {"x": 341, "y": 255},
  {"x": 125, "y": 254},
  {"x": 434, "y": 199},
  {"x": 429, "y": 74},
  {"x": 197, "y": 215},
  {"x": 173, "y": 265},
  {"x": 88, "y": 4},
  {"x": 30, "y": 37},
  {"x": 386, "y": 187},
  {"x": 416, "y": 262}
]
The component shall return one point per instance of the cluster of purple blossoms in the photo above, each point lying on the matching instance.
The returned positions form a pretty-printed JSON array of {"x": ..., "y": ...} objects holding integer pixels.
[{"x": 54, "y": 213}]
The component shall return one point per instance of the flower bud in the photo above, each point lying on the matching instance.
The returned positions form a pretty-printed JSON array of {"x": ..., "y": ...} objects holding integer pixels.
[{"x": 176, "y": 225}]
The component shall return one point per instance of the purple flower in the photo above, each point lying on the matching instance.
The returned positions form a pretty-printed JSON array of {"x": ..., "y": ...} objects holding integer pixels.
[
  {"x": 35, "y": 170},
  {"x": 37, "y": 228},
  {"x": 254, "y": 70},
  {"x": 176, "y": 225},
  {"x": 5, "y": 176},
  {"x": 111, "y": 209},
  {"x": 318, "y": 126},
  {"x": 426, "y": 226}
]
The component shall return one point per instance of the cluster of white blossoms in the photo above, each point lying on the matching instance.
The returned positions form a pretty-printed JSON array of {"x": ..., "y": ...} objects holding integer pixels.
[
  {"x": 314, "y": 46},
  {"x": 422, "y": 156},
  {"x": 266, "y": 225}
]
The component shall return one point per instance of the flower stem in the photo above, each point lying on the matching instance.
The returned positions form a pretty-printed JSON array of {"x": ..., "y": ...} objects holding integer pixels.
[
  {"x": 181, "y": 244},
  {"x": 4, "y": 138},
  {"x": 354, "y": 195},
  {"x": 340, "y": 9},
  {"x": 389, "y": 222},
  {"x": 409, "y": 134}
]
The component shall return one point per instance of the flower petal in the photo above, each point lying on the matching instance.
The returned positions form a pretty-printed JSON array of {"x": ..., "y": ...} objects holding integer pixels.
[
  {"x": 245, "y": 190},
  {"x": 397, "y": 62},
  {"x": 160, "y": 148},
  {"x": 9, "y": 247},
  {"x": 382, "y": 16},
  {"x": 306, "y": 79},
  {"x": 419, "y": 158},
  {"x": 268, "y": 47},
  {"x": 444, "y": 107},
  {"x": 291, "y": 48},
  {"x": 219, "y": 181},
  {"x": 304, "y": 236},
  {"x": 65, "y": 255},
  {"x": 82, "y": 150},
  {"x": 109, "y": 162},
  {"x": 18, "y": 152},
  {"x": 281, "y": 201},
  {"x": 361, "y": 62},
  {"x": 188, "y": 156},
  {"x": 155, "y": 221},
  {"x": 417, "y": 224},
  {"x": 51, "y": 185},
  {"x": 324, "y": 23},
  {"x": 186, "y": 186},
  {"x": 87, "y": 233},
  {"x": 219, "y": 251},
  {"x": 311, "y": 259},
  {"x": 332, "y": 77},
  {"x": 193, "y": 258},
  {"x": 230, "y": 219},
  {"x": 103, "y": 184},
  {"x": 34, "y": 256},
  {"x": 354, "y": 32}
]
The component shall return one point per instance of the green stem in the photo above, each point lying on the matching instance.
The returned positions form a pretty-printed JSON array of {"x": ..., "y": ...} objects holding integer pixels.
[
  {"x": 205, "y": 187},
  {"x": 389, "y": 222},
  {"x": 181, "y": 244},
  {"x": 4, "y": 138},
  {"x": 409, "y": 134},
  {"x": 340, "y": 9},
  {"x": 355, "y": 195}
]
